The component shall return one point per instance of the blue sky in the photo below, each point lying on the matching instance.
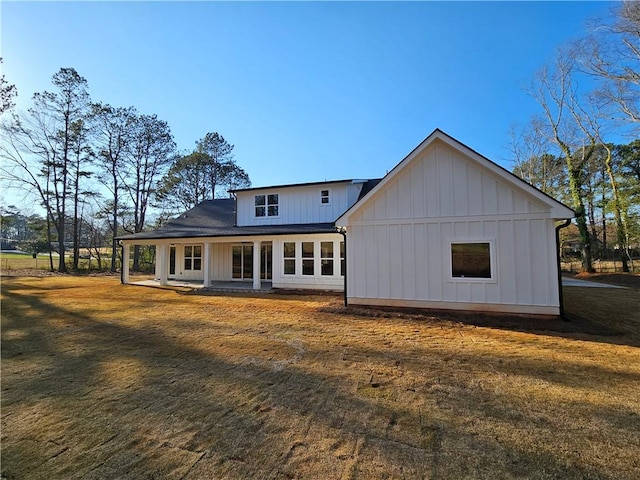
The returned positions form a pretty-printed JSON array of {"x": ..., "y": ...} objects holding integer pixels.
[{"x": 305, "y": 91}]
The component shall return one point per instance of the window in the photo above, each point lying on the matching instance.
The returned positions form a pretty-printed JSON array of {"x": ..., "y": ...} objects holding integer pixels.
[
  {"x": 324, "y": 197},
  {"x": 343, "y": 266},
  {"x": 193, "y": 257},
  {"x": 471, "y": 260},
  {"x": 289, "y": 255},
  {"x": 272, "y": 205},
  {"x": 266, "y": 205},
  {"x": 307, "y": 258},
  {"x": 260, "y": 203},
  {"x": 326, "y": 258}
]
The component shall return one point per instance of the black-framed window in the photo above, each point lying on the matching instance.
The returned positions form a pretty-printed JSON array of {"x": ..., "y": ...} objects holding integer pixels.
[
  {"x": 308, "y": 264},
  {"x": 289, "y": 254},
  {"x": 324, "y": 197},
  {"x": 193, "y": 257},
  {"x": 471, "y": 260},
  {"x": 266, "y": 205}
]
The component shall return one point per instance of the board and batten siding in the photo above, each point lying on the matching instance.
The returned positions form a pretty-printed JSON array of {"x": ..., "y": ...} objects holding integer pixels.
[
  {"x": 399, "y": 240},
  {"x": 299, "y": 205},
  {"x": 220, "y": 263}
]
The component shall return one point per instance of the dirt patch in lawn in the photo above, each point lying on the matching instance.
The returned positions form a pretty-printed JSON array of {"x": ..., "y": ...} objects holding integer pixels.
[{"x": 101, "y": 380}]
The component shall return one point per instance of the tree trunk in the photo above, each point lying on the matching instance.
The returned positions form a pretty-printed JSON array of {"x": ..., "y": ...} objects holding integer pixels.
[
  {"x": 114, "y": 228},
  {"x": 581, "y": 220},
  {"x": 76, "y": 234},
  {"x": 62, "y": 266},
  {"x": 136, "y": 258},
  {"x": 49, "y": 240}
]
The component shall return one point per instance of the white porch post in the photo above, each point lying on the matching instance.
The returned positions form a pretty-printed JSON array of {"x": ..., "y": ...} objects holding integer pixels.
[
  {"x": 256, "y": 266},
  {"x": 126, "y": 251},
  {"x": 205, "y": 264},
  {"x": 157, "y": 271},
  {"x": 162, "y": 259}
]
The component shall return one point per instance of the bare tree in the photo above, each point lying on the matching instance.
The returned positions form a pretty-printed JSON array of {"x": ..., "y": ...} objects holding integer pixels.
[
  {"x": 612, "y": 54},
  {"x": 564, "y": 120},
  {"x": 619, "y": 213},
  {"x": 41, "y": 148},
  {"x": 149, "y": 154},
  {"x": 112, "y": 129},
  {"x": 532, "y": 161}
]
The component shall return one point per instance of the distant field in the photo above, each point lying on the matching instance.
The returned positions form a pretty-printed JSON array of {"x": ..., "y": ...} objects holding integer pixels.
[
  {"x": 103, "y": 380},
  {"x": 22, "y": 261}
]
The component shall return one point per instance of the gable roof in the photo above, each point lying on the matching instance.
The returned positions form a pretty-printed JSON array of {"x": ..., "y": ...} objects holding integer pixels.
[
  {"x": 216, "y": 218},
  {"x": 558, "y": 209}
]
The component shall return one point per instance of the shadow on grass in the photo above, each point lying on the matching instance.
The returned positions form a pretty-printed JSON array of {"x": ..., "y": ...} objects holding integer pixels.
[
  {"x": 191, "y": 413},
  {"x": 598, "y": 316}
]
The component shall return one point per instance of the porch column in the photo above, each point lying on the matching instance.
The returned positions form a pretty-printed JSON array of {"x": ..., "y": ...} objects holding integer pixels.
[
  {"x": 205, "y": 264},
  {"x": 256, "y": 266},
  {"x": 162, "y": 261},
  {"x": 157, "y": 271},
  {"x": 126, "y": 251}
]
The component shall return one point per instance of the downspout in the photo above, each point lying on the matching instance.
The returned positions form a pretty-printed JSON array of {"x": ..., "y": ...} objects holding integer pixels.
[
  {"x": 560, "y": 294},
  {"x": 343, "y": 231},
  {"x": 235, "y": 209}
]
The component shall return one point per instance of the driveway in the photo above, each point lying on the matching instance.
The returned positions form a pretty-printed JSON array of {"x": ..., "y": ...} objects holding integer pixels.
[{"x": 576, "y": 282}]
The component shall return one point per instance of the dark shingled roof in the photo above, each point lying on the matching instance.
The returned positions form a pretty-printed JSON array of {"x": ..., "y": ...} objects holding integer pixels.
[
  {"x": 216, "y": 218},
  {"x": 367, "y": 187}
]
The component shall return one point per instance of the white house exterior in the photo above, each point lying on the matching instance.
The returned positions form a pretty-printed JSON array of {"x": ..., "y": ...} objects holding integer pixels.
[
  {"x": 284, "y": 235},
  {"x": 449, "y": 229},
  {"x": 445, "y": 229}
]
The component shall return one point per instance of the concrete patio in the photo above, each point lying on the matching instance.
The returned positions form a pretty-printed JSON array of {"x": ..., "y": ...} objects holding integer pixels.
[{"x": 226, "y": 287}]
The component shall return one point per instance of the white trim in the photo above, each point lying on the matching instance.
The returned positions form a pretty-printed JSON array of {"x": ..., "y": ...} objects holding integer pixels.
[
  {"x": 329, "y": 196},
  {"x": 451, "y": 219},
  {"x": 126, "y": 253},
  {"x": 463, "y": 306},
  {"x": 206, "y": 261},
  {"x": 257, "y": 282},
  {"x": 266, "y": 205},
  {"x": 192, "y": 257},
  {"x": 294, "y": 258},
  {"x": 492, "y": 259}
]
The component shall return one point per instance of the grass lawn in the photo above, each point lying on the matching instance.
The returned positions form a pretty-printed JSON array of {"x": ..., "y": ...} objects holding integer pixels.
[{"x": 101, "y": 381}]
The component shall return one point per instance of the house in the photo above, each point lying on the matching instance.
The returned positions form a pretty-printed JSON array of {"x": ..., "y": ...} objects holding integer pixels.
[{"x": 445, "y": 229}]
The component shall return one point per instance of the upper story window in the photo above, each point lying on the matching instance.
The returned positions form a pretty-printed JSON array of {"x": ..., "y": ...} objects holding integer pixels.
[
  {"x": 266, "y": 205},
  {"x": 324, "y": 197}
]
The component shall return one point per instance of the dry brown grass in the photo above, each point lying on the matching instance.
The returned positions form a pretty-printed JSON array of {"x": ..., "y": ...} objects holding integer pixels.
[{"x": 101, "y": 380}]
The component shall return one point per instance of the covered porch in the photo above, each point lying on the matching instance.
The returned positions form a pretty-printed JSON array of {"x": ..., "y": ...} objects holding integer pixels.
[{"x": 231, "y": 264}]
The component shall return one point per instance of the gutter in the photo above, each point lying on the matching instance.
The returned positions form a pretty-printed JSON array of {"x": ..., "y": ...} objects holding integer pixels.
[
  {"x": 235, "y": 209},
  {"x": 560, "y": 294},
  {"x": 343, "y": 231}
]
